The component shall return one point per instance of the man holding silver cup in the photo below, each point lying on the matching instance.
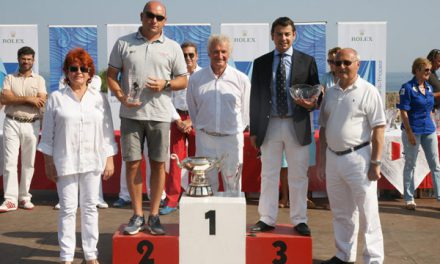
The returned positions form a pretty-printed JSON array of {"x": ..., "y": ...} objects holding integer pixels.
[
  {"x": 278, "y": 122},
  {"x": 218, "y": 104}
]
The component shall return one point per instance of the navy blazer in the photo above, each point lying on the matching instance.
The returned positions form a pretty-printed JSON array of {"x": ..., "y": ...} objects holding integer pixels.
[{"x": 303, "y": 71}]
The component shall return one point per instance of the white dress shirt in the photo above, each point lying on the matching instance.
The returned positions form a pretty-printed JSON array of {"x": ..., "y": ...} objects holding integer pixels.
[
  {"x": 179, "y": 97},
  {"x": 219, "y": 105},
  {"x": 78, "y": 134}
]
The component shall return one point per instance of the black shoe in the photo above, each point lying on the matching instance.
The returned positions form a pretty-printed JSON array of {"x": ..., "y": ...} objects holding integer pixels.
[
  {"x": 154, "y": 225},
  {"x": 336, "y": 260},
  {"x": 302, "y": 229},
  {"x": 261, "y": 226}
]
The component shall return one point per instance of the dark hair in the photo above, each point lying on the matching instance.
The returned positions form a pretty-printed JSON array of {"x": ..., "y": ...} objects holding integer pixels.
[
  {"x": 25, "y": 51},
  {"x": 432, "y": 54},
  {"x": 78, "y": 55},
  {"x": 188, "y": 44},
  {"x": 333, "y": 51},
  {"x": 284, "y": 22}
]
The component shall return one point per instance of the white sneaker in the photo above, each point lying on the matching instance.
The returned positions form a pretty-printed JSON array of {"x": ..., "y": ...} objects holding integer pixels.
[
  {"x": 410, "y": 205},
  {"x": 28, "y": 205},
  {"x": 57, "y": 206},
  {"x": 102, "y": 205},
  {"x": 7, "y": 206}
]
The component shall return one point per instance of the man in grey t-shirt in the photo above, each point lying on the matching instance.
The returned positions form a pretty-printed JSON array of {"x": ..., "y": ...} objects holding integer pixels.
[{"x": 153, "y": 65}]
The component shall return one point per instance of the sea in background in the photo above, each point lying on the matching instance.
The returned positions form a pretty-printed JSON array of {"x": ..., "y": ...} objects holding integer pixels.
[{"x": 394, "y": 80}]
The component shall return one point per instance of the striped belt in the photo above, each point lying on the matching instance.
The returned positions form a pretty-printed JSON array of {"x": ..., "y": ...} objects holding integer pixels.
[
  {"x": 22, "y": 119},
  {"x": 350, "y": 150},
  {"x": 214, "y": 134}
]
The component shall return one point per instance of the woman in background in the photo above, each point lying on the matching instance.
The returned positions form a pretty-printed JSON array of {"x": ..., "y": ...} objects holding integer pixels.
[
  {"x": 416, "y": 106},
  {"x": 78, "y": 145}
]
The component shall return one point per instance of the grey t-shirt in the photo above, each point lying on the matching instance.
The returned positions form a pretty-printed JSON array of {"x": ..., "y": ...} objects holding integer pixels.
[{"x": 137, "y": 59}]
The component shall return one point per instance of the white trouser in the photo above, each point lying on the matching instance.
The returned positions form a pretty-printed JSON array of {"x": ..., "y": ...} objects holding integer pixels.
[
  {"x": 280, "y": 135},
  {"x": 88, "y": 186},
  {"x": 229, "y": 147},
  {"x": 18, "y": 135},
  {"x": 354, "y": 205}
]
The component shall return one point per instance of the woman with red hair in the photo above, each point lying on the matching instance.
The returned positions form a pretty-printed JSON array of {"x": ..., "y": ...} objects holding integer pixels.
[{"x": 78, "y": 145}]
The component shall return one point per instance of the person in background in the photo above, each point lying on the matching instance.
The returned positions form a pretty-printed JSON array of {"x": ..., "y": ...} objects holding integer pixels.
[
  {"x": 78, "y": 146},
  {"x": 153, "y": 65},
  {"x": 24, "y": 94},
  {"x": 434, "y": 58},
  {"x": 182, "y": 135},
  {"x": 284, "y": 184},
  {"x": 351, "y": 139},
  {"x": 329, "y": 79},
  {"x": 416, "y": 107}
]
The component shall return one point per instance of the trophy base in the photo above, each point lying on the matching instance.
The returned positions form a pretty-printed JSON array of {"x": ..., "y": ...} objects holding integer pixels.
[{"x": 199, "y": 190}]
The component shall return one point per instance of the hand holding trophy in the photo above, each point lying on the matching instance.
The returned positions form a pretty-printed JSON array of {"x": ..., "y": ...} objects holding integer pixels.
[{"x": 306, "y": 95}]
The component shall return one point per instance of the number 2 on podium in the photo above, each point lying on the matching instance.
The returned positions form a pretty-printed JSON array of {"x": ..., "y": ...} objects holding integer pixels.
[{"x": 211, "y": 216}]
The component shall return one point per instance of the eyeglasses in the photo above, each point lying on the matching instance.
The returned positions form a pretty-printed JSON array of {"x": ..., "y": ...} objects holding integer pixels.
[
  {"x": 190, "y": 55},
  {"x": 330, "y": 61},
  {"x": 152, "y": 16},
  {"x": 83, "y": 69},
  {"x": 427, "y": 70},
  {"x": 345, "y": 62}
]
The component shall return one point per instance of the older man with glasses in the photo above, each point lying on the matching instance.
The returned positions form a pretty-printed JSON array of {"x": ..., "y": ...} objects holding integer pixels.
[{"x": 351, "y": 139}]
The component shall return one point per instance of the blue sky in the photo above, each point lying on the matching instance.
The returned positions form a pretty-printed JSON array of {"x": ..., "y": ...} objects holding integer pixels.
[{"x": 412, "y": 25}]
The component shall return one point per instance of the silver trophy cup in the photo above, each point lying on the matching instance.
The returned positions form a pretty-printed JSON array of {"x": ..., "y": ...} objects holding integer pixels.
[
  {"x": 305, "y": 91},
  {"x": 198, "y": 167}
]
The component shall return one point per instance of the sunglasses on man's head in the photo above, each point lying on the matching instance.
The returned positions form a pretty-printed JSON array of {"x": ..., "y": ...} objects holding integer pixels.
[
  {"x": 190, "y": 55},
  {"x": 345, "y": 62},
  {"x": 75, "y": 69},
  {"x": 152, "y": 16}
]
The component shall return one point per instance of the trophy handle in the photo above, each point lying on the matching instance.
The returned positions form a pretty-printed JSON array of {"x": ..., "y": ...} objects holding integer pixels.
[{"x": 174, "y": 156}]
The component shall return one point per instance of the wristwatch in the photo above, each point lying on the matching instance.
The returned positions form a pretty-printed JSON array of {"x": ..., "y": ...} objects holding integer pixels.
[
  {"x": 167, "y": 84},
  {"x": 376, "y": 162}
]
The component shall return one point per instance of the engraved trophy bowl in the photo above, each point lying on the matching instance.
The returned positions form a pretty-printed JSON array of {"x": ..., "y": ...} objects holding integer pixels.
[
  {"x": 198, "y": 167},
  {"x": 305, "y": 91}
]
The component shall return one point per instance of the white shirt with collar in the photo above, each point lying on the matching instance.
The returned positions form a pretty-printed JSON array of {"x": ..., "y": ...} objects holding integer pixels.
[
  {"x": 78, "y": 134},
  {"x": 350, "y": 115},
  {"x": 219, "y": 105},
  {"x": 179, "y": 97}
]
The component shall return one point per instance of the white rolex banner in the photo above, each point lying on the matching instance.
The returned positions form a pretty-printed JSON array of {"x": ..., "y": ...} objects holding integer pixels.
[
  {"x": 249, "y": 41},
  {"x": 12, "y": 38},
  {"x": 369, "y": 39}
]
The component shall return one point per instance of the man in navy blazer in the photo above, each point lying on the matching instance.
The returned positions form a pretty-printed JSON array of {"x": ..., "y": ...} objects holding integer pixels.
[{"x": 279, "y": 123}]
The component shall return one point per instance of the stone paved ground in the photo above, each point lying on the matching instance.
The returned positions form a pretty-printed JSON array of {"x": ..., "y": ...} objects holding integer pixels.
[{"x": 410, "y": 237}]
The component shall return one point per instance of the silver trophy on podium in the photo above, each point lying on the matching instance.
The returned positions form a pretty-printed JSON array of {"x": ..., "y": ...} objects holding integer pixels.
[
  {"x": 198, "y": 167},
  {"x": 305, "y": 91}
]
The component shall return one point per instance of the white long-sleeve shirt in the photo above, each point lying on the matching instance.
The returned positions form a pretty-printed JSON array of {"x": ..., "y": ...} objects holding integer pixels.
[
  {"x": 78, "y": 134},
  {"x": 219, "y": 105}
]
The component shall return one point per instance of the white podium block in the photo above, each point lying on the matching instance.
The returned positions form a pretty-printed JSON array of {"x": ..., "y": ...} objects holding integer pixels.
[{"x": 212, "y": 230}]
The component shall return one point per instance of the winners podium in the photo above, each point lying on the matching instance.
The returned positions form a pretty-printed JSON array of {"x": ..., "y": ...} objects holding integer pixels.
[{"x": 212, "y": 230}]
